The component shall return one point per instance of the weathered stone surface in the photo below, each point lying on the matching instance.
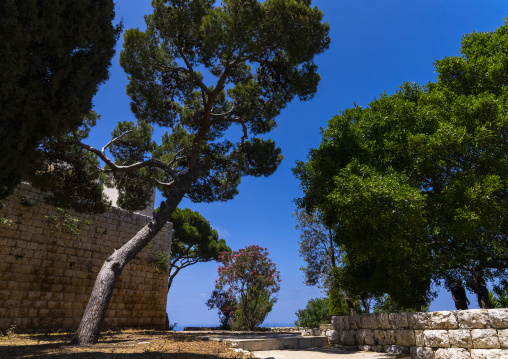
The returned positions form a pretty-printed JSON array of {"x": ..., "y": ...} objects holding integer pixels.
[
  {"x": 395, "y": 349},
  {"x": 460, "y": 338},
  {"x": 383, "y": 321},
  {"x": 355, "y": 322},
  {"x": 452, "y": 353},
  {"x": 365, "y": 337},
  {"x": 405, "y": 337},
  {"x": 442, "y": 320},
  {"x": 347, "y": 337},
  {"x": 385, "y": 337},
  {"x": 340, "y": 323},
  {"x": 419, "y": 339},
  {"x": 473, "y": 319},
  {"x": 498, "y": 318},
  {"x": 485, "y": 339},
  {"x": 417, "y": 320},
  {"x": 307, "y": 332},
  {"x": 369, "y": 321},
  {"x": 489, "y": 354},
  {"x": 365, "y": 348},
  {"x": 333, "y": 336},
  {"x": 502, "y": 334},
  {"x": 421, "y": 353},
  {"x": 436, "y": 338},
  {"x": 398, "y": 320}
]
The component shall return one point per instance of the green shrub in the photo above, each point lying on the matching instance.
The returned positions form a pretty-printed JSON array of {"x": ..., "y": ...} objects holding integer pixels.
[{"x": 315, "y": 313}]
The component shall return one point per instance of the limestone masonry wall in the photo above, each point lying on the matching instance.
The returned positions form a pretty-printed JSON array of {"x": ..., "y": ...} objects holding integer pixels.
[
  {"x": 47, "y": 273},
  {"x": 463, "y": 334}
]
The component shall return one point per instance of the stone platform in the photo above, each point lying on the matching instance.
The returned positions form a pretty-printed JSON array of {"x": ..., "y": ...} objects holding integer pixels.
[{"x": 269, "y": 341}]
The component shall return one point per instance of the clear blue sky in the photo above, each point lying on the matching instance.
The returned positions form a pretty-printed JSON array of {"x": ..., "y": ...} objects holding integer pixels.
[{"x": 376, "y": 46}]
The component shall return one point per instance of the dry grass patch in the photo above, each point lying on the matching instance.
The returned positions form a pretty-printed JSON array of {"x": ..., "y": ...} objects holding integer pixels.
[{"x": 128, "y": 344}]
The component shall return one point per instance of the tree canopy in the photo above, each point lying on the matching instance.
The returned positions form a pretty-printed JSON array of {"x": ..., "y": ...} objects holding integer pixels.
[
  {"x": 53, "y": 57},
  {"x": 198, "y": 70},
  {"x": 194, "y": 241},
  {"x": 416, "y": 182}
]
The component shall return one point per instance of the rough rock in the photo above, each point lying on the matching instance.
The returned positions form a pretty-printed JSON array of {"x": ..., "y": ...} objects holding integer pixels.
[
  {"x": 383, "y": 321},
  {"x": 442, "y": 320},
  {"x": 485, "y": 339},
  {"x": 473, "y": 319},
  {"x": 395, "y": 349},
  {"x": 460, "y": 338},
  {"x": 355, "y": 322},
  {"x": 421, "y": 353},
  {"x": 498, "y": 318},
  {"x": 419, "y": 339},
  {"x": 333, "y": 336},
  {"x": 503, "y": 338},
  {"x": 405, "y": 337},
  {"x": 398, "y": 320},
  {"x": 452, "y": 353},
  {"x": 347, "y": 337},
  {"x": 369, "y": 321},
  {"x": 365, "y": 337},
  {"x": 418, "y": 320},
  {"x": 436, "y": 338},
  {"x": 489, "y": 354}
]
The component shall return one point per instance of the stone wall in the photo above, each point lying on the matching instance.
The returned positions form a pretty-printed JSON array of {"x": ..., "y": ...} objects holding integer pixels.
[
  {"x": 47, "y": 273},
  {"x": 477, "y": 334}
]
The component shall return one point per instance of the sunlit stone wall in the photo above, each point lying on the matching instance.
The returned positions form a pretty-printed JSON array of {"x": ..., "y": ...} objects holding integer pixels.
[{"x": 47, "y": 273}]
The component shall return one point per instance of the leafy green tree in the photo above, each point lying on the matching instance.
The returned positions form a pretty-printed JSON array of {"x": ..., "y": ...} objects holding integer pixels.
[
  {"x": 417, "y": 181},
  {"x": 322, "y": 255},
  {"x": 253, "y": 280},
  {"x": 317, "y": 248},
  {"x": 194, "y": 241},
  {"x": 385, "y": 304},
  {"x": 198, "y": 70},
  {"x": 315, "y": 313},
  {"x": 53, "y": 57}
]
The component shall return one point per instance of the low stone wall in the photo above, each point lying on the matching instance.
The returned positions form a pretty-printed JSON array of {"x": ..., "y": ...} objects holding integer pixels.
[
  {"x": 471, "y": 334},
  {"x": 47, "y": 273}
]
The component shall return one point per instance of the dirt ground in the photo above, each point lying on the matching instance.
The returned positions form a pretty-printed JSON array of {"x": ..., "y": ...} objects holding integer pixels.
[{"x": 116, "y": 345}]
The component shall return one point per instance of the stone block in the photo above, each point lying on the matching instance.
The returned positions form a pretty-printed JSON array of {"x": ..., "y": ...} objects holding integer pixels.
[
  {"x": 338, "y": 322},
  {"x": 398, "y": 320},
  {"x": 369, "y": 321},
  {"x": 436, "y": 338},
  {"x": 365, "y": 337},
  {"x": 421, "y": 353},
  {"x": 498, "y": 318},
  {"x": 347, "y": 337},
  {"x": 460, "y": 338},
  {"x": 489, "y": 354},
  {"x": 418, "y": 320},
  {"x": 395, "y": 349},
  {"x": 383, "y": 321},
  {"x": 442, "y": 320},
  {"x": 485, "y": 339},
  {"x": 405, "y": 337},
  {"x": 503, "y": 338},
  {"x": 355, "y": 322},
  {"x": 385, "y": 337},
  {"x": 473, "y": 319},
  {"x": 419, "y": 338},
  {"x": 333, "y": 336},
  {"x": 452, "y": 353}
]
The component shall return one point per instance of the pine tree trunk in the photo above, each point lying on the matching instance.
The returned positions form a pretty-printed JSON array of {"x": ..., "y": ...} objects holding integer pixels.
[{"x": 89, "y": 328}]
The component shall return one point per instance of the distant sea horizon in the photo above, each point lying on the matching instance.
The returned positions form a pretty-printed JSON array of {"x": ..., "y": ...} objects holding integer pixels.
[{"x": 179, "y": 327}]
